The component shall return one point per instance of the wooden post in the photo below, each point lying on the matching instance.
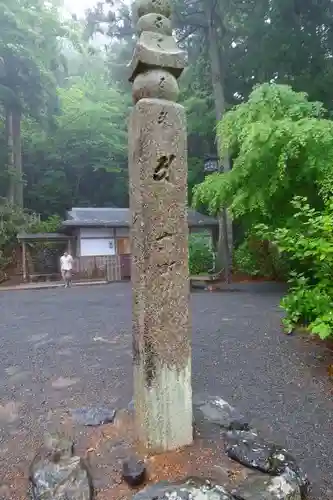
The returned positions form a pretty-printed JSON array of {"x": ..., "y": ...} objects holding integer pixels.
[
  {"x": 158, "y": 200},
  {"x": 69, "y": 246},
  {"x": 24, "y": 261}
]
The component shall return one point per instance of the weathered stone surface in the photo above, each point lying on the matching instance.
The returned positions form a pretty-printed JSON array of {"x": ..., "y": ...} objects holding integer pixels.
[
  {"x": 297, "y": 475},
  {"x": 154, "y": 22},
  {"x": 64, "y": 480},
  {"x": 93, "y": 416},
  {"x": 248, "y": 451},
  {"x": 57, "y": 474},
  {"x": 64, "y": 383},
  {"x": 4, "y": 491},
  {"x": 141, "y": 8},
  {"x": 9, "y": 412},
  {"x": 212, "y": 411},
  {"x": 130, "y": 406},
  {"x": 155, "y": 84},
  {"x": 56, "y": 446},
  {"x": 154, "y": 50},
  {"x": 254, "y": 452},
  {"x": 134, "y": 471},
  {"x": 192, "y": 489},
  {"x": 261, "y": 487},
  {"x": 161, "y": 344}
]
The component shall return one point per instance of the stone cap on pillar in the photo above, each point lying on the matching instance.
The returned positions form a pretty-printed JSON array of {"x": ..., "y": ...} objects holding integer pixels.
[
  {"x": 142, "y": 8},
  {"x": 157, "y": 51},
  {"x": 156, "y": 48}
]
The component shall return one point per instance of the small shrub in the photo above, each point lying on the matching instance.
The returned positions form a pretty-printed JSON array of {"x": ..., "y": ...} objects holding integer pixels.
[
  {"x": 201, "y": 258},
  {"x": 49, "y": 225},
  {"x": 309, "y": 306},
  {"x": 257, "y": 257},
  {"x": 245, "y": 261},
  {"x": 12, "y": 221},
  {"x": 307, "y": 244}
]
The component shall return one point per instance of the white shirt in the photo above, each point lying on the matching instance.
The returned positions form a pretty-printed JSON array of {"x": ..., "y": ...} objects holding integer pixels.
[{"x": 66, "y": 263}]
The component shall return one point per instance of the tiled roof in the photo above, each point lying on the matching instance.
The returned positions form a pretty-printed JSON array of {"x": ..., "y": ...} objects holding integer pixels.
[
  {"x": 42, "y": 236},
  {"x": 120, "y": 217}
]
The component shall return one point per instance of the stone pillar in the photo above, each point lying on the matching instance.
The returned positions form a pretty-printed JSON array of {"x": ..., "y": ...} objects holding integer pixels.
[{"x": 158, "y": 200}]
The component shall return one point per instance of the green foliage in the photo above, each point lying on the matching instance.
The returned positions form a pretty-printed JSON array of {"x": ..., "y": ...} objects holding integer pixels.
[
  {"x": 93, "y": 121},
  {"x": 74, "y": 120},
  {"x": 31, "y": 65},
  {"x": 308, "y": 305},
  {"x": 201, "y": 258},
  {"x": 245, "y": 260},
  {"x": 50, "y": 225},
  {"x": 12, "y": 221},
  {"x": 29, "y": 47},
  {"x": 83, "y": 159},
  {"x": 288, "y": 42},
  {"x": 257, "y": 257},
  {"x": 281, "y": 146},
  {"x": 306, "y": 242}
]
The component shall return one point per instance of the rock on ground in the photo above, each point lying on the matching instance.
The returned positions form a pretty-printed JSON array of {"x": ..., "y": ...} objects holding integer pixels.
[
  {"x": 260, "y": 487},
  {"x": 133, "y": 471},
  {"x": 93, "y": 416},
  {"x": 192, "y": 489},
  {"x": 257, "y": 453},
  {"x": 257, "y": 487},
  {"x": 57, "y": 474},
  {"x": 210, "y": 411}
]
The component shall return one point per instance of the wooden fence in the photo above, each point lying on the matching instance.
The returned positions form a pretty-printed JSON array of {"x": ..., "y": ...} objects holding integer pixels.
[
  {"x": 125, "y": 263},
  {"x": 113, "y": 268},
  {"x": 106, "y": 267}
]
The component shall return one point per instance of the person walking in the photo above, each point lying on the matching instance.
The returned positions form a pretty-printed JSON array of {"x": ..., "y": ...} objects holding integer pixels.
[{"x": 66, "y": 266}]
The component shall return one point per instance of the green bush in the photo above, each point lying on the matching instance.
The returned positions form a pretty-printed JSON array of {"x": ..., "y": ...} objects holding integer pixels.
[
  {"x": 256, "y": 257},
  {"x": 309, "y": 306},
  {"x": 307, "y": 244},
  {"x": 245, "y": 260},
  {"x": 201, "y": 258},
  {"x": 12, "y": 221},
  {"x": 49, "y": 225}
]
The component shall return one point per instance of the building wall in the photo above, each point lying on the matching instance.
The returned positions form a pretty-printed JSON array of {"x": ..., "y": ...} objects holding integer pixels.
[
  {"x": 96, "y": 232},
  {"x": 96, "y": 242},
  {"x": 122, "y": 232},
  {"x": 102, "y": 253},
  {"x": 102, "y": 242},
  {"x": 95, "y": 245}
]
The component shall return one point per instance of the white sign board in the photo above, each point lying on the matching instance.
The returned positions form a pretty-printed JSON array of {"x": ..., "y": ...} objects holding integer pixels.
[{"x": 94, "y": 247}]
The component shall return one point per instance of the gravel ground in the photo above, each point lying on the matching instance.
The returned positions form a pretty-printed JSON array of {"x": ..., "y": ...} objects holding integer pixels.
[{"x": 61, "y": 349}]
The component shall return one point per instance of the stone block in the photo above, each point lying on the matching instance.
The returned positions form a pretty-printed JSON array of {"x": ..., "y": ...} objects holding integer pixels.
[
  {"x": 154, "y": 22},
  {"x": 155, "y": 50},
  {"x": 142, "y": 7}
]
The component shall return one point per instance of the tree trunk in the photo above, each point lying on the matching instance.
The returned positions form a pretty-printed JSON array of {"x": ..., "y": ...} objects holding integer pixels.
[
  {"x": 225, "y": 244},
  {"x": 10, "y": 156},
  {"x": 17, "y": 151},
  {"x": 13, "y": 133}
]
